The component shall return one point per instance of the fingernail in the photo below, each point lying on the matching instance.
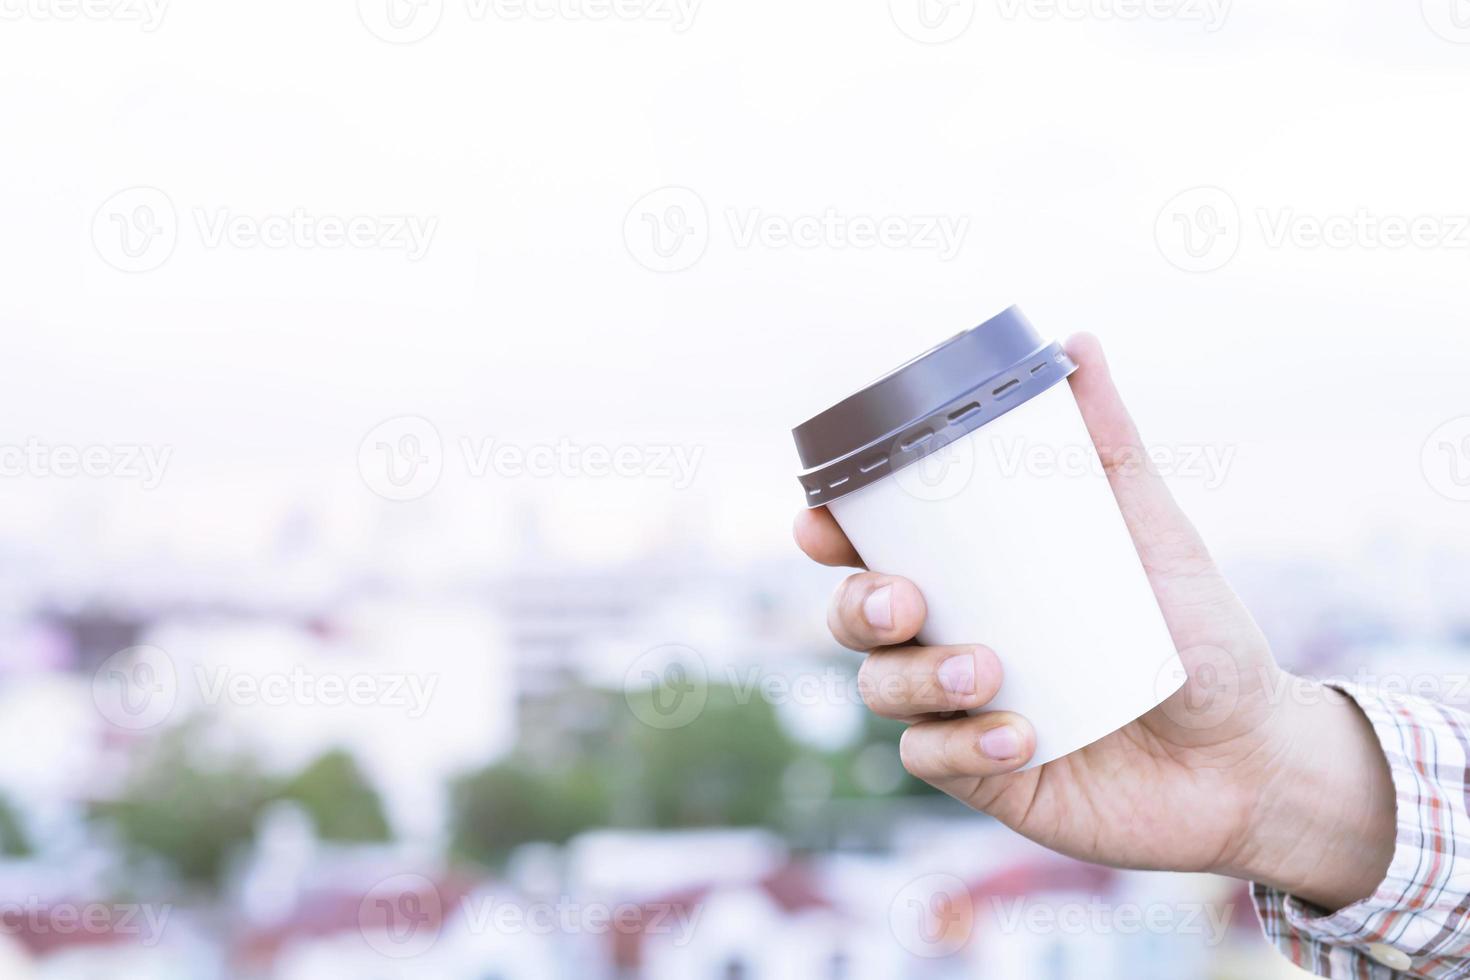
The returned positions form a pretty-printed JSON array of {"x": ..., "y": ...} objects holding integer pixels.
[
  {"x": 878, "y": 608},
  {"x": 1001, "y": 743},
  {"x": 957, "y": 674}
]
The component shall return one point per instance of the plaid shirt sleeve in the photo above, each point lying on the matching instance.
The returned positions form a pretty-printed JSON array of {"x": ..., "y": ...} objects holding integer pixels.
[{"x": 1418, "y": 922}]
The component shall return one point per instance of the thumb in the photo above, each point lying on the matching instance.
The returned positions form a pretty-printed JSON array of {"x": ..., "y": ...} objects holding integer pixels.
[{"x": 1166, "y": 541}]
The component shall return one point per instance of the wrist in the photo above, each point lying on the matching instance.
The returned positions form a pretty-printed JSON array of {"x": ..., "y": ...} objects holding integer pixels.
[{"x": 1323, "y": 824}]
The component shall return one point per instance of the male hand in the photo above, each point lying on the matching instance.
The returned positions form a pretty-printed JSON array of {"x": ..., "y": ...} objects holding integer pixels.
[{"x": 1246, "y": 771}]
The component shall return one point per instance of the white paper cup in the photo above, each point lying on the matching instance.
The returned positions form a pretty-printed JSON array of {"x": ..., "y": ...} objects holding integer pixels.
[{"x": 970, "y": 472}]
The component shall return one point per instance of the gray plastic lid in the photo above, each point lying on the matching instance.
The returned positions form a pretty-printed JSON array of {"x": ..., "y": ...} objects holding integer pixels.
[{"x": 913, "y": 411}]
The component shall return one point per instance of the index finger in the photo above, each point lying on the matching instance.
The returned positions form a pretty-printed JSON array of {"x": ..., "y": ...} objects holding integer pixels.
[{"x": 818, "y": 534}]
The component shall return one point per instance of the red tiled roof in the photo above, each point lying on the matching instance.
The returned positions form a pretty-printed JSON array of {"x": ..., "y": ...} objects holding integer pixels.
[
  {"x": 793, "y": 887},
  {"x": 1046, "y": 877},
  {"x": 33, "y": 929},
  {"x": 328, "y": 913}
]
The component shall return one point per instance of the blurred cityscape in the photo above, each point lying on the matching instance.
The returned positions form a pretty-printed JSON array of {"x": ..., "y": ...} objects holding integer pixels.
[{"x": 646, "y": 769}]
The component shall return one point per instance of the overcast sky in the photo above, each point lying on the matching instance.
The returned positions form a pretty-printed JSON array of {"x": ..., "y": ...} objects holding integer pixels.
[{"x": 500, "y": 287}]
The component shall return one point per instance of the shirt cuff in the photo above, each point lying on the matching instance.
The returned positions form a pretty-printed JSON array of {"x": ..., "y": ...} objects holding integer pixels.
[{"x": 1417, "y": 923}]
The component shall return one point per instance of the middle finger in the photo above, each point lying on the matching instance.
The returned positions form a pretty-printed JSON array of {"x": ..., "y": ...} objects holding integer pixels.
[{"x": 910, "y": 681}]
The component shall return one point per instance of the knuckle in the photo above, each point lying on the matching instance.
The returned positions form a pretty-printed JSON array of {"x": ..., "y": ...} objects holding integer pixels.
[
  {"x": 898, "y": 690},
  {"x": 849, "y": 594},
  {"x": 843, "y": 614},
  {"x": 1124, "y": 460},
  {"x": 959, "y": 749},
  {"x": 921, "y": 687}
]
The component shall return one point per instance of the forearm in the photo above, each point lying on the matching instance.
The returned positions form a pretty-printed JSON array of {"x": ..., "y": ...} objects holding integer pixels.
[{"x": 1325, "y": 898}]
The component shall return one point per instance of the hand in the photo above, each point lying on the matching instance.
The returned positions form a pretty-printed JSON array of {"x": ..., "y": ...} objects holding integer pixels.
[{"x": 1246, "y": 771}]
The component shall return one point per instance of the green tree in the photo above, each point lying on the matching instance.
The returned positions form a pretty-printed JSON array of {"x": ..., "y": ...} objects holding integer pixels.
[
  {"x": 500, "y": 807},
  {"x": 190, "y": 813},
  {"x": 13, "y": 839},
  {"x": 724, "y": 768},
  {"x": 343, "y": 806}
]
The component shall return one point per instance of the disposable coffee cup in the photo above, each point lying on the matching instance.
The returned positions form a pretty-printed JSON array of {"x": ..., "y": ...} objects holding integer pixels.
[{"x": 970, "y": 472}]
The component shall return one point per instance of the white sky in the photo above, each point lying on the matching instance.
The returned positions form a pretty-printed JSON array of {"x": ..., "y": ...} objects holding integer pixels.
[{"x": 529, "y": 320}]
